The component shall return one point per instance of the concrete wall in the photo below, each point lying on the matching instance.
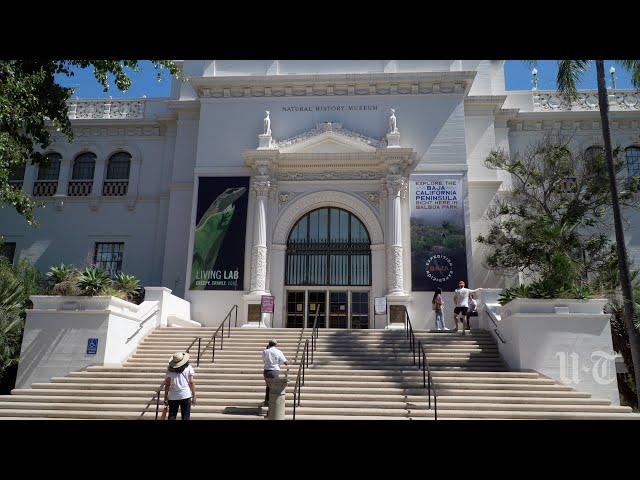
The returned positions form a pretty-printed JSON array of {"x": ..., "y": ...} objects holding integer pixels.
[
  {"x": 57, "y": 330},
  {"x": 574, "y": 348}
]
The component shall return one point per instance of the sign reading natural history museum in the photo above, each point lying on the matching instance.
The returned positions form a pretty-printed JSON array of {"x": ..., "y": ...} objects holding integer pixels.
[
  {"x": 221, "y": 222},
  {"x": 438, "y": 241}
]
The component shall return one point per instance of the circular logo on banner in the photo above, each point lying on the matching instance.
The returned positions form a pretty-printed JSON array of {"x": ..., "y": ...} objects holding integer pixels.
[{"x": 439, "y": 268}]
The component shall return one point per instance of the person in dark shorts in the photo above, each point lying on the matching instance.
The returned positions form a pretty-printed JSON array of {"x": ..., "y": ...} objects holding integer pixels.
[{"x": 461, "y": 301}]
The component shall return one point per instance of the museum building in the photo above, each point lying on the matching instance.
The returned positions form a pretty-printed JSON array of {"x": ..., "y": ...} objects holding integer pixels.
[{"x": 325, "y": 184}]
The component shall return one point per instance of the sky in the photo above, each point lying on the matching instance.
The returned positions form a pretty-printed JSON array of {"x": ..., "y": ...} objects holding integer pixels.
[{"x": 145, "y": 82}]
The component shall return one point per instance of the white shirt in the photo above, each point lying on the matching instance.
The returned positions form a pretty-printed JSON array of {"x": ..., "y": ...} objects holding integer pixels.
[
  {"x": 273, "y": 358},
  {"x": 461, "y": 297},
  {"x": 179, "y": 388}
]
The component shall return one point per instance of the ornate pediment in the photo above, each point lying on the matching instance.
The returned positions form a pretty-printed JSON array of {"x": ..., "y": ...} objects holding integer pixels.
[{"x": 329, "y": 138}]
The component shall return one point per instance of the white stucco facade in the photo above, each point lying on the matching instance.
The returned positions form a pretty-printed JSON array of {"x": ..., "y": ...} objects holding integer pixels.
[{"x": 329, "y": 147}]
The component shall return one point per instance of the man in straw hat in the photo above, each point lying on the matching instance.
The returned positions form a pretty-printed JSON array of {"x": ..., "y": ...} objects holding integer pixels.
[
  {"x": 179, "y": 389},
  {"x": 273, "y": 358}
]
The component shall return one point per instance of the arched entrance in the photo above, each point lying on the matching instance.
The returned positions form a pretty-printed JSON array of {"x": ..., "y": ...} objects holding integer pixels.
[{"x": 328, "y": 270}]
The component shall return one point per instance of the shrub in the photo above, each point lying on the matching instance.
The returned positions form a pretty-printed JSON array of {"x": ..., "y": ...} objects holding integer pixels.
[
  {"x": 127, "y": 284},
  {"x": 93, "y": 281},
  {"x": 62, "y": 273}
]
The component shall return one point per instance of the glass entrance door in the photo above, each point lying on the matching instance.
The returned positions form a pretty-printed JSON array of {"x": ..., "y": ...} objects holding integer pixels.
[
  {"x": 295, "y": 309},
  {"x": 359, "y": 309},
  {"x": 317, "y": 303},
  {"x": 338, "y": 310}
]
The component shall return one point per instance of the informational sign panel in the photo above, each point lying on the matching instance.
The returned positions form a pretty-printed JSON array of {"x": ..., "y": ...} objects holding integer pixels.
[
  {"x": 92, "y": 346},
  {"x": 380, "y": 305},
  {"x": 266, "y": 304},
  {"x": 221, "y": 222},
  {"x": 438, "y": 236}
]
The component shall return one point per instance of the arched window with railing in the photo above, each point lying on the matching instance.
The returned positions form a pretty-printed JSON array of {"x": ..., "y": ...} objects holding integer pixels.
[
  {"x": 16, "y": 176},
  {"x": 82, "y": 175},
  {"x": 116, "y": 182},
  {"x": 593, "y": 153},
  {"x": 46, "y": 183},
  {"x": 328, "y": 246}
]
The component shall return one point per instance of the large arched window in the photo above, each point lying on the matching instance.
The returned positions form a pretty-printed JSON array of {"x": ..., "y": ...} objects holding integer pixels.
[
  {"x": 83, "y": 166},
  {"x": 46, "y": 183},
  {"x": 328, "y": 246},
  {"x": 51, "y": 171},
  {"x": 82, "y": 175},
  {"x": 116, "y": 182},
  {"x": 632, "y": 158}
]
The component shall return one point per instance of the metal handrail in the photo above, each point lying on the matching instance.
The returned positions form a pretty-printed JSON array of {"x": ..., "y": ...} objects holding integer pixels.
[
  {"x": 146, "y": 318},
  {"x": 158, "y": 398},
  {"x": 199, "y": 339},
  {"x": 493, "y": 319},
  {"x": 221, "y": 328},
  {"x": 423, "y": 362},
  {"x": 297, "y": 389}
]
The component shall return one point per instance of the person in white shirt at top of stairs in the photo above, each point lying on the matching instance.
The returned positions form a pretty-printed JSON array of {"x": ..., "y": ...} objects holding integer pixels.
[
  {"x": 461, "y": 300},
  {"x": 273, "y": 358}
]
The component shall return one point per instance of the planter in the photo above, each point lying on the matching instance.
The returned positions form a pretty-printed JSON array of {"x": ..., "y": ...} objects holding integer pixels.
[
  {"x": 554, "y": 306},
  {"x": 83, "y": 303},
  {"x": 568, "y": 340}
]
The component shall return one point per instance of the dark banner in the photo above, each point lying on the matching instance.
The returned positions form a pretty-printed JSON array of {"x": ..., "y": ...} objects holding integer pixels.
[
  {"x": 438, "y": 241},
  {"x": 221, "y": 223}
]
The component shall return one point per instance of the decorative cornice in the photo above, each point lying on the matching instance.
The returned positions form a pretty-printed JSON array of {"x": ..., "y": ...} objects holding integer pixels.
[
  {"x": 335, "y": 128},
  {"x": 484, "y": 102},
  {"x": 621, "y": 122},
  {"x": 116, "y": 131},
  {"x": 106, "y": 109},
  {"x": 544, "y": 101},
  {"x": 334, "y": 84}
]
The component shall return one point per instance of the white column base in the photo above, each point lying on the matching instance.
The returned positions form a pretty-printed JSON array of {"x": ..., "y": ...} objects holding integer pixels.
[
  {"x": 393, "y": 140},
  {"x": 264, "y": 142}
]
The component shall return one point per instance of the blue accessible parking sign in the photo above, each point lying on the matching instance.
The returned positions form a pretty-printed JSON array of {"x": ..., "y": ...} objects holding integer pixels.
[{"x": 92, "y": 346}]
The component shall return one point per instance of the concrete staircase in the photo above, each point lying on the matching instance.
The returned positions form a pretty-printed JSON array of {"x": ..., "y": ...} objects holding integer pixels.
[{"x": 356, "y": 374}]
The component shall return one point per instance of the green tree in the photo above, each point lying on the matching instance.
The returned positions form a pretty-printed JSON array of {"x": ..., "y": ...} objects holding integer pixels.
[
  {"x": 552, "y": 224},
  {"x": 569, "y": 73},
  {"x": 16, "y": 285},
  {"x": 32, "y": 105}
]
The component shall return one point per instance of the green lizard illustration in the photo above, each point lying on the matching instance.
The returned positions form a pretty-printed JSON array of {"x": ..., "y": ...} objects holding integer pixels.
[{"x": 210, "y": 232}]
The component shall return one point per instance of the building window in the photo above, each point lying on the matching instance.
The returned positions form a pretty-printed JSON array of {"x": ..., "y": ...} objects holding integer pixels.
[
  {"x": 82, "y": 175},
  {"x": 328, "y": 246},
  {"x": 632, "y": 157},
  {"x": 592, "y": 154},
  {"x": 46, "y": 183},
  {"x": 16, "y": 176},
  {"x": 8, "y": 251},
  {"x": 117, "y": 180},
  {"x": 108, "y": 256}
]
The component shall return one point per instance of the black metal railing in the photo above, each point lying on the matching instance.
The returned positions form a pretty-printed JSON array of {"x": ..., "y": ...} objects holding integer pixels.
[
  {"x": 158, "y": 391},
  {"x": 417, "y": 350},
  {"x": 307, "y": 352},
  {"x": 220, "y": 330},
  {"x": 493, "y": 319},
  {"x": 199, "y": 340}
]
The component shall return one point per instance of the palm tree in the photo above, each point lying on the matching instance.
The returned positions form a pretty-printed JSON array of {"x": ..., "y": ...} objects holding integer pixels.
[{"x": 569, "y": 73}]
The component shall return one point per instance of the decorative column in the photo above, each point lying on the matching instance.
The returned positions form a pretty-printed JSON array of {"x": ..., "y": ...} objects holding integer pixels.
[
  {"x": 261, "y": 186},
  {"x": 396, "y": 186}
]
